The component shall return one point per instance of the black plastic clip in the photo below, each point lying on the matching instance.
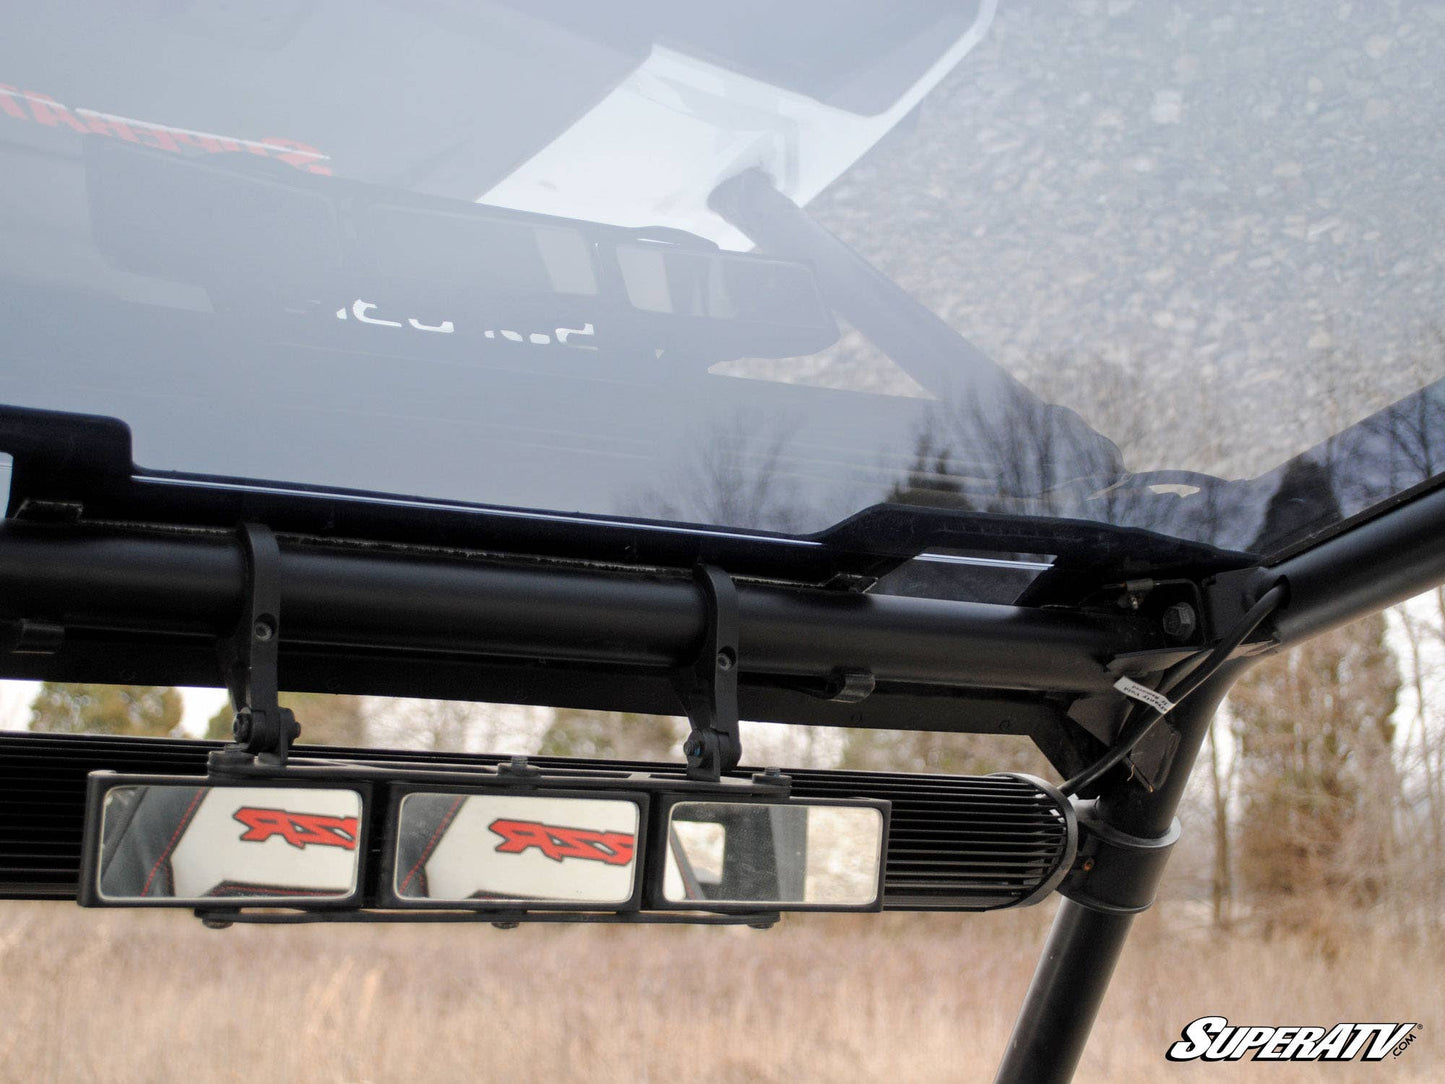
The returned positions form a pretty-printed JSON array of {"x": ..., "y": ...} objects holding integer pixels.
[
  {"x": 849, "y": 685},
  {"x": 709, "y": 688},
  {"x": 249, "y": 655},
  {"x": 518, "y": 768}
]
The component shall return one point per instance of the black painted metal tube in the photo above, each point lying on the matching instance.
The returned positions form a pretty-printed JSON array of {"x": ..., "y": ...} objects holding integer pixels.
[
  {"x": 1374, "y": 565},
  {"x": 1150, "y": 813},
  {"x": 1084, "y": 944},
  {"x": 377, "y": 600},
  {"x": 1064, "y": 997}
]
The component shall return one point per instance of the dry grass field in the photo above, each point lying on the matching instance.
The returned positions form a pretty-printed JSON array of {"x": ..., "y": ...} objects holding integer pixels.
[{"x": 145, "y": 996}]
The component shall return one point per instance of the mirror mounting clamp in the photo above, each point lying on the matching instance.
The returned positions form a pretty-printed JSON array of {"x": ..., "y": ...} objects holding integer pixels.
[
  {"x": 249, "y": 656},
  {"x": 709, "y": 687}
]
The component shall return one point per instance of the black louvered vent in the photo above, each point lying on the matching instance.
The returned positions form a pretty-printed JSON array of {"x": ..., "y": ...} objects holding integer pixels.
[
  {"x": 961, "y": 842},
  {"x": 956, "y": 843}
]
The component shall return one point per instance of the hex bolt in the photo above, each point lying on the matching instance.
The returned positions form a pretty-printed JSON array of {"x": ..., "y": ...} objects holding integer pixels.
[
  {"x": 1179, "y": 620},
  {"x": 725, "y": 659},
  {"x": 263, "y": 630}
]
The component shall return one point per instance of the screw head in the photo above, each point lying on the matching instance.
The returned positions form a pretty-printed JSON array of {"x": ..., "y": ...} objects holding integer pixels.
[
  {"x": 263, "y": 629},
  {"x": 726, "y": 660}
]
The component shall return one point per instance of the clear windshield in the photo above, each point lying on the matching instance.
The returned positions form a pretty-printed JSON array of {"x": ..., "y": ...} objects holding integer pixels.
[{"x": 469, "y": 251}]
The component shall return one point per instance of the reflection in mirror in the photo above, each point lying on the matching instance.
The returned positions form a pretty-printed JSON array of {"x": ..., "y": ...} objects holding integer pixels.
[
  {"x": 196, "y": 843},
  {"x": 521, "y": 848},
  {"x": 748, "y": 852}
]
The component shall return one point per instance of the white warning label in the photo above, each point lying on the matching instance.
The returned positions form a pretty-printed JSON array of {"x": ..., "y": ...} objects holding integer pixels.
[{"x": 1145, "y": 695}]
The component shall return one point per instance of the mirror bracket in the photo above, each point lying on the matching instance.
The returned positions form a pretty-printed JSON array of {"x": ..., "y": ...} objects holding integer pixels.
[
  {"x": 709, "y": 687},
  {"x": 249, "y": 654},
  {"x": 774, "y": 779},
  {"x": 518, "y": 768}
]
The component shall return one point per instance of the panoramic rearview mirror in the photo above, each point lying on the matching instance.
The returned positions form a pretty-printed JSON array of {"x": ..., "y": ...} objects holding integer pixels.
[
  {"x": 184, "y": 844},
  {"x": 754, "y": 854},
  {"x": 615, "y": 846},
  {"x": 533, "y": 850}
]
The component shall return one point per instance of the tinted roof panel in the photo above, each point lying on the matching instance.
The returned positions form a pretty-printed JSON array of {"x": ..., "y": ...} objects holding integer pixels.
[{"x": 1208, "y": 245}]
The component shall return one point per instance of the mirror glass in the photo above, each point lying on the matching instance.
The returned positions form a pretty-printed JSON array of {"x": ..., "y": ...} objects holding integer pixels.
[
  {"x": 750, "y": 852},
  {"x": 522, "y": 848},
  {"x": 200, "y": 843}
]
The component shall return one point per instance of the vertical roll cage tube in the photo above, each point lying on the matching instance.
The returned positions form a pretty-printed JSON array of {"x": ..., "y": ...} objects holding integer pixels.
[
  {"x": 1088, "y": 933},
  {"x": 1379, "y": 563}
]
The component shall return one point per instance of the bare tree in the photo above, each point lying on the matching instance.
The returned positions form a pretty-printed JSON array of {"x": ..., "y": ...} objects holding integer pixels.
[
  {"x": 940, "y": 752},
  {"x": 1422, "y": 814},
  {"x": 1314, "y": 731},
  {"x": 455, "y": 726},
  {"x": 1221, "y": 788},
  {"x": 574, "y": 732}
]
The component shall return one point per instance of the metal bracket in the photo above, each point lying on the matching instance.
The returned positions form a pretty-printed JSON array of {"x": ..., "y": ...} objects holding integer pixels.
[
  {"x": 709, "y": 687},
  {"x": 249, "y": 655}
]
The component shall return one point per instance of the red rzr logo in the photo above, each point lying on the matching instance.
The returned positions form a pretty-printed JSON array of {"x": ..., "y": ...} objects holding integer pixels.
[
  {"x": 297, "y": 829},
  {"x": 29, "y": 105},
  {"x": 557, "y": 843}
]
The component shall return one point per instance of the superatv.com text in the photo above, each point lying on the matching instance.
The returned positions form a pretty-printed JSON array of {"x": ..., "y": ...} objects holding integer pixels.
[{"x": 1214, "y": 1038}]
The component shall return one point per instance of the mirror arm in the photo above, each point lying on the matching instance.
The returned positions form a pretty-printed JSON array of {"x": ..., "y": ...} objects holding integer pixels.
[
  {"x": 249, "y": 657},
  {"x": 709, "y": 687}
]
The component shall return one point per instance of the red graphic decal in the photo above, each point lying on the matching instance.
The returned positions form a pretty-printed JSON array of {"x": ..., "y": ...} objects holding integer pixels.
[
  {"x": 30, "y": 105},
  {"x": 297, "y": 829},
  {"x": 557, "y": 843},
  {"x": 8, "y": 103}
]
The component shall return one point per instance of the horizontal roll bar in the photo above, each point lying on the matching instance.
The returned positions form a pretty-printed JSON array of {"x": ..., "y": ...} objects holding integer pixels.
[
  {"x": 380, "y": 600},
  {"x": 1364, "y": 569}
]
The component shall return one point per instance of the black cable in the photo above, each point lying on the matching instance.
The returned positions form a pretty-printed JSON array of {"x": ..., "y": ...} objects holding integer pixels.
[{"x": 1179, "y": 681}]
